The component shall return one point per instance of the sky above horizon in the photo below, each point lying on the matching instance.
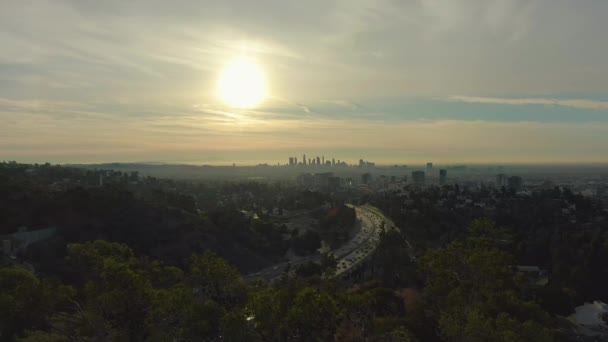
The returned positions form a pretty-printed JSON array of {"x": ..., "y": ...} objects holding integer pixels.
[{"x": 391, "y": 81}]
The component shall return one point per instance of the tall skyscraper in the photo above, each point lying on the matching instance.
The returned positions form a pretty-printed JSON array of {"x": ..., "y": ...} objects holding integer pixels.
[
  {"x": 295, "y": 160},
  {"x": 443, "y": 175},
  {"x": 323, "y": 160},
  {"x": 290, "y": 160},
  {"x": 429, "y": 167},
  {"x": 304, "y": 159},
  {"x": 333, "y": 162},
  {"x": 318, "y": 161},
  {"x": 418, "y": 177}
]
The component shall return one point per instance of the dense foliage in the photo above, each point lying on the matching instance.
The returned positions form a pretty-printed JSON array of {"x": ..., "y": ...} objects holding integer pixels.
[{"x": 141, "y": 259}]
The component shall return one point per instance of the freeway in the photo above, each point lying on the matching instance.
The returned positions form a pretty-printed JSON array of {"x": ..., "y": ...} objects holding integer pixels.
[{"x": 350, "y": 254}]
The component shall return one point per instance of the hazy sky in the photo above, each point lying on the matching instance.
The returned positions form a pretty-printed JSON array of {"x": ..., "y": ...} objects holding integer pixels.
[{"x": 389, "y": 81}]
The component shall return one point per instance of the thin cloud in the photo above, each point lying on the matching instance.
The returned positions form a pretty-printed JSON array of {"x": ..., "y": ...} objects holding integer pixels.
[{"x": 573, "y": 103}]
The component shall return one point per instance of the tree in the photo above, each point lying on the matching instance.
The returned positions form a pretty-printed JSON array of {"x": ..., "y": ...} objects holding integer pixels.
[
  {"x": 313, "y": 316},
  {"x": 213, "y": 278},
  {"x": 21, "y": 296},
  {"x": 26, "y": 302},
  {"x": 328, "y": 263},
  {"x": 393, "y": 259},
  {"x": 475, "y": 295}
]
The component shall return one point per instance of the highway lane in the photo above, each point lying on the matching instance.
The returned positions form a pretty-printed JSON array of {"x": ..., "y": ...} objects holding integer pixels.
[{"x": 350, "y": 254}]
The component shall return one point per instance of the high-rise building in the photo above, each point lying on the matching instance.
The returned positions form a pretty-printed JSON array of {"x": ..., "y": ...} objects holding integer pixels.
[
  {"x": 318, "y": 161},
  {"x": 515, "y": 183},
  {"x": 418, "y": 177},
  {"x": 333, "y": 162},
  {"x": 361, "y": 163},
  {"x": 304, "y": 159},
  {"x": 443, "y": 175},
  {"x": 429, "y": 167},
  {"x": 501, "y": 180},
  {"x": 323, "y": 160},
  {"x": 290, "y": 160},
  {"x": 295, "y": 160},
  {"x": 309, "y": 161},
  {"x": 366, "y": 178}
]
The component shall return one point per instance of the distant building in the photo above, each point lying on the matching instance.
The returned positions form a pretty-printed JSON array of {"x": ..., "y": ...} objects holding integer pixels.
[
  {"x": 23, "y": 238},
  {"x": 501, "y": 180},
  {"x": 290, "y": 160},
  {"x": 429, "y": 167},
  {"x": 321, "y": 180},
  {"x": 333, "y": 162},
  {"x": 418, "y": 177},
  {"x": 515, "y": 183},
  {"x": 305, "y": 179},
  {"x": 443, "y": 176},
  {"x": 366, "y": 178},
  {"x": 333, "y": 182},
  {"x": 295, "y": 160},
  {"x": 383, "y": 182},
  {"x": 361, "y": 163},
  {"x": 304, "y": 159},
  {"x": 318, "y": 161}
]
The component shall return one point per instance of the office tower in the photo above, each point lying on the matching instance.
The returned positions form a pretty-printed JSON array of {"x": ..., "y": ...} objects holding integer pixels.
[
  {"x": 366, "y": 178},
  {"x": 318, "y": 161},
  {"x": 361, "y": 163},
  {"x": 323, "y": 160},
  {"x": 333, "y": 162},
  {"x": 515, "y": 183},
  {"x": 429, "y": 167},
  {"x": 418, "y": 177},
  {"x": 501, "y": 180},
  {"x": 304, "y": 159},
  {"x": 290, "y": 160},
  {"x": 295, "y": 160},
  {"x": 443, "y": 175},
  {"x": 309, "y": 161}
]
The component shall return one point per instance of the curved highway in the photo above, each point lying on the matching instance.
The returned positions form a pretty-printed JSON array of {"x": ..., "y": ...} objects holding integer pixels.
[{"x": 350, "y": 254}]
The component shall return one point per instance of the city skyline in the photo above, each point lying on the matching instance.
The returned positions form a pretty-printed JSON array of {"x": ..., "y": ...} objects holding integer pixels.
[{"x": 396, "y": 82}]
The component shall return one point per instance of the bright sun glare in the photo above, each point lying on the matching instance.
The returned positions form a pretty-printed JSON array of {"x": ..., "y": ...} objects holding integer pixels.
[{"x": 242, "y": 84}]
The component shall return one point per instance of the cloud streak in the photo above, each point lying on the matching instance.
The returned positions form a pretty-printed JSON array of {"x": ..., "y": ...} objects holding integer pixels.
[
  {"x": 573, "y": 103},
  {"x": 356, "y": 75}
]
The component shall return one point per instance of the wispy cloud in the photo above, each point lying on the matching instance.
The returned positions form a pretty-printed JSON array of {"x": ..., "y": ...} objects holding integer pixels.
[
  {"x": 574, "y": 103},
  {"x": 103, "y": 76}
]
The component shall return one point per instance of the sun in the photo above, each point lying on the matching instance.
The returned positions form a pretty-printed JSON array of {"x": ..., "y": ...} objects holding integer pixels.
[{"x": 242, "y": 84}]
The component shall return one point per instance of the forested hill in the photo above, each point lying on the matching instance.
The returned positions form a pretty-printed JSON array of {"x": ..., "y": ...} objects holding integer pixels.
[{"x": 150, "y": 215}]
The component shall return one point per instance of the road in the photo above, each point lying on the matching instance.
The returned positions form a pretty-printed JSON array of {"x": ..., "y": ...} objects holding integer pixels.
[{"x": 350, "y": 254}]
